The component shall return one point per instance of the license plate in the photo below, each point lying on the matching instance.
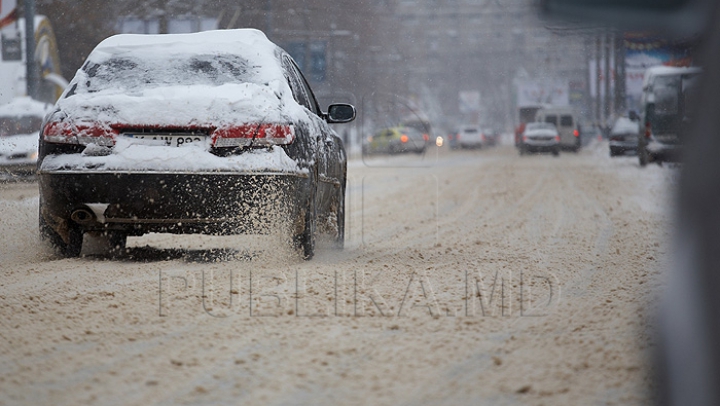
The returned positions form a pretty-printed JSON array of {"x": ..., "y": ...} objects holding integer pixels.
[{"x": 169, "y": 140}]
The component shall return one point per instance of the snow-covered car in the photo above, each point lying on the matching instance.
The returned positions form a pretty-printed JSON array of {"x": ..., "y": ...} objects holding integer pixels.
[
  {"x": 470, "y": 137},
  {"x": 540, "y": 137},
  {"x": 215, "y": 132},
  {"x": 624, "y": 136},
  {"x": 20, "y": 122}
]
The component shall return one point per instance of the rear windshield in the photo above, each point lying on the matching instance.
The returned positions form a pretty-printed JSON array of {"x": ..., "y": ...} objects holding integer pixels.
[
  {"x": 666, "y": 90},
  {"x": 132, "y": 73},
  {"x": 551, "y": 119},
  {"x": 566, "y": 121}
]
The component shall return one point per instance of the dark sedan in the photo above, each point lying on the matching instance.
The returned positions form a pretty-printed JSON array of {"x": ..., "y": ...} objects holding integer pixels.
[{"x": 215, "y": 132}]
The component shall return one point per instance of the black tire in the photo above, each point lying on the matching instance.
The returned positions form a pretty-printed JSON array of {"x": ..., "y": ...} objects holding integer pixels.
[
  {"x": 340, "y": 218},
  {"x": 556, "y": 152},
  {"x": 522, "y": 150},
  {"x": 69, "y": 249},
  {"x": 305, "y": 241},
  {"x": 613, "y": 152},
  {"x": 117, "y": 241}
]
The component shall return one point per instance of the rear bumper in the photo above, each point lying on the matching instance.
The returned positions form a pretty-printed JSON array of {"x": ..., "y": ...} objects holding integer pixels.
[
  {"x": 624, "y": 145},
  {"x": 142, "y": 202}
]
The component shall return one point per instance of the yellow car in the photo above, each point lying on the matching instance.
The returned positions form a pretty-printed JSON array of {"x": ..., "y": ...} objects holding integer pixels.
[{"x": 396, "y": 140}]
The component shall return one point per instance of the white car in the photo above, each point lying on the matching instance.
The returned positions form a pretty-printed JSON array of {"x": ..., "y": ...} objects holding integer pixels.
[
  {"x": 540, "y": 137},
  {"x": 20, "y": 122},
  {"x": 470, "y": 137}
]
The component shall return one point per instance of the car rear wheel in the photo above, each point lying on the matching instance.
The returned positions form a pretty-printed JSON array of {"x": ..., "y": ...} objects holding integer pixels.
[
  {"x": 305, "y": 241},
  {"x": 556, "y": 152},
  {"x": 340, "y": 218},
  {"x": 116, "y": 241}
]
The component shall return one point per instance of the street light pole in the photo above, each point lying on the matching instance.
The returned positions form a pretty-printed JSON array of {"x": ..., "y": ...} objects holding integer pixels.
[{"x": 32, "y": 77}]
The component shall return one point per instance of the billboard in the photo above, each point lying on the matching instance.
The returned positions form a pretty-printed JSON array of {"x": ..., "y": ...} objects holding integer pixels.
[
  {"x": 536, "y": 92},
  {"x": 643, "y": 51}
]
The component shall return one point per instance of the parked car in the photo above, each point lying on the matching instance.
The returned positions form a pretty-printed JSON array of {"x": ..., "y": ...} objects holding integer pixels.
[
  {"x": 667, "y": 91},
  {"x": 565, "y": 120},
  {"x": 470, "y": 137},
  {"x": 20, "y": 122},
  {"x": 624, "y": 136},
  {"x": 540, "y": 137},
  {"x": 452, "y": 138},
  {"x": 214, "y": 132},
  {"x": 396, "y": 140}
]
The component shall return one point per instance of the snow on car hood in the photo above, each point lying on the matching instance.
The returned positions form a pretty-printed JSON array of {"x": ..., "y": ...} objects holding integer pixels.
[
  {"x": 624, "y": 125},
  {"x": 126, "y": 156},
  {"x": 207, "y": 79}
]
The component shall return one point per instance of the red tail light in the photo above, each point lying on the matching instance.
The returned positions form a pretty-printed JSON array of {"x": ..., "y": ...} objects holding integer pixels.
[
  {"x": 557, "y": 138},
  {"x": 426, "y": 137},
  {"x": 64, "y": 132},
  {"x": 576, "y": 133},
  {"x": 403, "y": 138},
  {"x": 648, "y": 129},
  {"x": 255, "y": 134}
]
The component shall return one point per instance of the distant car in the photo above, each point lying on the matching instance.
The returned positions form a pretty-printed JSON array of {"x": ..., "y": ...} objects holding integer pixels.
[
  {"x": 565, "y": 120},
  {"x": 624, "y": 136},
  {"x": 491, "y": 137},
  {"x": 396, "y": 140},
  {"x": 20, "y": 122},
  {"x": 470, "y": 137},
  {"x": 667, "y": 91},
  {"x": 452, "y": 139},
  {"x": 214, "y": 132},
  {"x": 540, "y": 137}
]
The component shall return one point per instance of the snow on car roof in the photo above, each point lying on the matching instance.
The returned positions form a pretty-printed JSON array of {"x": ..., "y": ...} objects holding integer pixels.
[
  {"x": 624, "y": 125},
  {"x": 24, "y": 106},
  {"x": 212, "y": 78},
  {"x": 670, "y": 70}
]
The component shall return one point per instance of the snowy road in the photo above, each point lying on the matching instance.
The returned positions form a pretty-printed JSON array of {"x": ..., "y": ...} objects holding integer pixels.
[{"x": 472, "y": 277}]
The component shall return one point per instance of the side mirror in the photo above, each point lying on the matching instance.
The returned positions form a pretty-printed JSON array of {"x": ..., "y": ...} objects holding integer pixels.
[{"x": 340, "y": 113}]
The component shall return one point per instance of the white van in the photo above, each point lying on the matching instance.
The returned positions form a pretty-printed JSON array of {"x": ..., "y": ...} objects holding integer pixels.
[{"x": 565, "y": 120}]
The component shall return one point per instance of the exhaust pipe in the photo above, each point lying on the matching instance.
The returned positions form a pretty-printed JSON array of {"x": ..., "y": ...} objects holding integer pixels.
[{"x": 82, "y": 216}]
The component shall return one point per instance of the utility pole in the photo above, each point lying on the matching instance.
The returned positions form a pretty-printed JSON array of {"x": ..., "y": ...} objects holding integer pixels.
[
  {"x": 607, "y": 98},
  {"x": 598, "y": 76},
  {"x": 32, "y": 77},
  {"x": 620, "y": 91}
]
